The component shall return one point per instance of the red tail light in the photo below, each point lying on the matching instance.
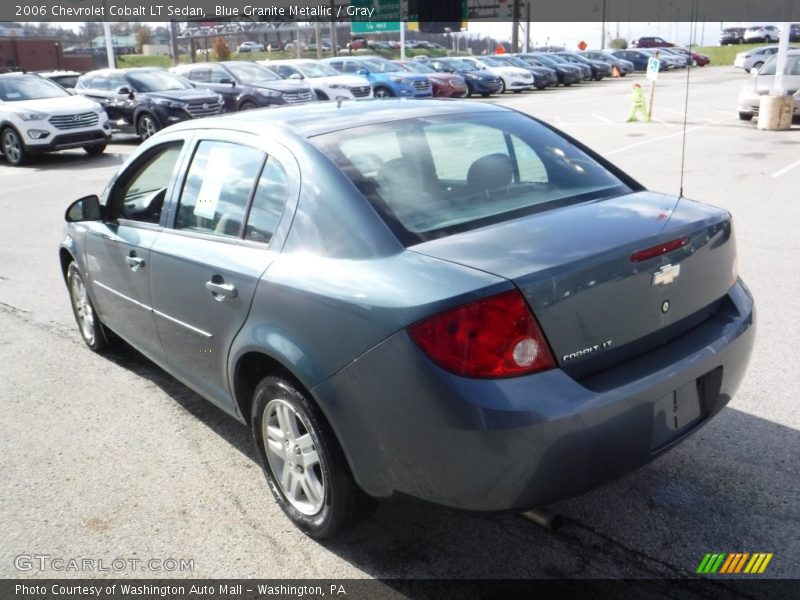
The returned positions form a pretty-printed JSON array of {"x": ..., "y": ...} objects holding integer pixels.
[{"x": 493, "y": 337}]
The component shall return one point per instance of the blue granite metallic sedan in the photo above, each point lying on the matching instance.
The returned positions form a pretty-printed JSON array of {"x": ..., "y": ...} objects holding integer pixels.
[{"x": 446, "y": 300}]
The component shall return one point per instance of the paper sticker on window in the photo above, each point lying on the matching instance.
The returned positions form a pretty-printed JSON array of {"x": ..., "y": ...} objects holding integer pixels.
[{"x": 216, "y": 167}]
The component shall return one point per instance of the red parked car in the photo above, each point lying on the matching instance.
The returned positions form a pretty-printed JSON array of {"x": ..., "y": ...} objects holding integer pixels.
[
  {"x": 445, "y": 85},
  {"x": 651, "y": 42}
]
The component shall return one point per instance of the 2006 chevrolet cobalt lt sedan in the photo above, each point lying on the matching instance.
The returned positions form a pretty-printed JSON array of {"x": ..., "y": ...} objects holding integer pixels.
[{"x": 434, "y": 298}]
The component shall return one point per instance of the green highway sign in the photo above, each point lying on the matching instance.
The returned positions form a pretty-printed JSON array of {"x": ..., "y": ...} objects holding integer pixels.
[{"x": 385, "y": 16}]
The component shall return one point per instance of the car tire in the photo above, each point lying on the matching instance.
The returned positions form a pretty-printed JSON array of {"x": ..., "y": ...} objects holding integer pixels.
[
  {"x": 322, "y": 96},
  {"x": 95, "y": 149},
  {"x": 743, "y": 116},
  {"x": 89, "y": 324},
  {"x": 502, "y": 87},
  {"x": 382, "y": 92},
  {"x": 313, "y": 485},
  {"x": 485, "y": 94},
  {"x": 247, "y": 105},
  {"x": 13, "y": 147},
  {"x": 757, "y": 65},
  {"x": 146, "y": 126}
]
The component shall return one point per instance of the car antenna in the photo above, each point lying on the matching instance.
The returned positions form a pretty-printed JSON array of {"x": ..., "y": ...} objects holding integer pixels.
[{"x": 692, "y": 31}]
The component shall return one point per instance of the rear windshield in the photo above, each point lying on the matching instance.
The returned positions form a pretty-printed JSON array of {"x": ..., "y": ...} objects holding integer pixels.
[{"x": 436, "y": 176}]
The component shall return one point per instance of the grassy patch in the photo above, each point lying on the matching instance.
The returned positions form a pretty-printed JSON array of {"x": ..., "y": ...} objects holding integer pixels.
[{"x": 724, "y": 55}]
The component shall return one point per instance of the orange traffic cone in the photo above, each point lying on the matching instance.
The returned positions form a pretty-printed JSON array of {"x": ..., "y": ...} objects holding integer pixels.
[{"x": 615, "y": 72}]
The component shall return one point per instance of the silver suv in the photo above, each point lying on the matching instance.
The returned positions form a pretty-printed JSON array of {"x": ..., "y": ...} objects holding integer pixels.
[{"x": 37, "y": 115}]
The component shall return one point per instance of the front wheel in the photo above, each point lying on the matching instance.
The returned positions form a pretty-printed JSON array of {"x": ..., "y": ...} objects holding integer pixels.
[
  {"x": 95, "y": 149},
  {"x": 304, "y": 466},
  {"x": 88, "y": 323},
  {"x": 13, "y": 147},
  {"x": 758, "y": 65},
  {"x": 743, "y": 116},
  {"x": 146, "y": 126},
  {"x": 382, "y": 92}
]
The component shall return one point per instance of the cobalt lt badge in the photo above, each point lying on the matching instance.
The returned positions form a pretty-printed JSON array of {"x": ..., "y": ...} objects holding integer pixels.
[{"x": 666, "y": 274}]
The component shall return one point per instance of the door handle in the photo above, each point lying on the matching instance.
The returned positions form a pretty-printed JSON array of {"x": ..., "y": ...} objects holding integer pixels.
[
  {"x": 134, "y": 263},
  {"x": 221, "y": 291}
]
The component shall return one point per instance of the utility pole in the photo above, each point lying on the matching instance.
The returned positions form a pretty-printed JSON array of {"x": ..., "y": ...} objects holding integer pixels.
[
  {"x": 517, "y": 16},
  {"x": 173, "y": 39},
  {"x": 334, "y": 36}
]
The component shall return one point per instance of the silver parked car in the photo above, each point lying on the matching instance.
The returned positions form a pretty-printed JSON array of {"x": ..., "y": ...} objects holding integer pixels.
[
  {"x": 761, "y": 83},
  {"x": 755, "y": 58}
]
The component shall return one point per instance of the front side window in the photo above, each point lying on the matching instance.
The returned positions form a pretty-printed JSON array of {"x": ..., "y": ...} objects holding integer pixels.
[
  {"x": 141, "y": 192},
  {"x": 437, "y": 176},
  {"x": 218, "y": 187}
]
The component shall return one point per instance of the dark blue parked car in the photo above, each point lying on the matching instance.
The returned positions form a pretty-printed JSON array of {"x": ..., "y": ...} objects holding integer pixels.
[
  {"x": 443, "y": 299},
  {"x": 639, "y": 59},
  {"x": 387, "y": 78},
  {"x": 478, "y": 81}
]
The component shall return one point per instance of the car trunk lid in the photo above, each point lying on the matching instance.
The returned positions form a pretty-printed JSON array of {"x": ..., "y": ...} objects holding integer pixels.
[{"x": 574, "y": 266}]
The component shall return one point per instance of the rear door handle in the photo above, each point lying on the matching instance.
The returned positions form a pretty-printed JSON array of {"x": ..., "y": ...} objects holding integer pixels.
[{"x": 221, "y": 291}]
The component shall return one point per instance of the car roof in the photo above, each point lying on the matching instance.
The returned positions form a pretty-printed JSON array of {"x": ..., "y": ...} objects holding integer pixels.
[{"x": 309, "y": 120}]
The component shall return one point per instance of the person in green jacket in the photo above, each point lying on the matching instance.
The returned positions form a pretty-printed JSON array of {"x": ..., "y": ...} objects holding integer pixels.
[{"x": 638, "y": 110}]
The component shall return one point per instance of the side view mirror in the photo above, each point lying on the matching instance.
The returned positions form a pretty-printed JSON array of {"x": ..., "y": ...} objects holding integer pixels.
[
  {"x": 84, "y": 209},
  {"x": 228, "y": 80},
  {"x": 295, "y": 76},
  {"x": 124, "y": 90},
  {"x": 362, "y": 72}
]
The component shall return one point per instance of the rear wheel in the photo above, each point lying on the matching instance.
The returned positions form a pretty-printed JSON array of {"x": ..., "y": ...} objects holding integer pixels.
[
  {"x": 13, "y": 147},
  {"x": 88, "y": 323},
  {"x": 303, "y": 463}
]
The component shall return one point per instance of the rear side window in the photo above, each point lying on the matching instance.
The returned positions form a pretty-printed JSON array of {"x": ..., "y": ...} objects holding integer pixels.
[
  {"x": 435, "y": 176},
  {"x": 218, "y": 188},
  {"x": 268, "y": 202}
]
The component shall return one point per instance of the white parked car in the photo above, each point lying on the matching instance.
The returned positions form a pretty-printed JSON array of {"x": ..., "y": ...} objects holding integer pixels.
[
  {"x": 761, "y": 33},
  {"x": 755, "y": 58},
  {"x": 327, "y": 82},
  {"x": 37, "y": 115},
  {"x": 250, "y": 47},
  {"x": 515, "y": 79},
  {"x": 761, "y": 83}
]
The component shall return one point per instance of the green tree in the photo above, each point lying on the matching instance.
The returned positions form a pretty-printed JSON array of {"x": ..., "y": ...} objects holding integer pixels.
[
  {"x": 618, "y": 44},
  {"x": 144, "y": 35}
]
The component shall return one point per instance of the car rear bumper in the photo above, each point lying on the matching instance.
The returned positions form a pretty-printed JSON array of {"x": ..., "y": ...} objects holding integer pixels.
[{"x": 495, "y": 445}]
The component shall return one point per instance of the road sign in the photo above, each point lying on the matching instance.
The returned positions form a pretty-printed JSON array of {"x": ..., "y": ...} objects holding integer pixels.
[
  {"x": 653, "y": 65},
  {"x": 385, "y": 17}
]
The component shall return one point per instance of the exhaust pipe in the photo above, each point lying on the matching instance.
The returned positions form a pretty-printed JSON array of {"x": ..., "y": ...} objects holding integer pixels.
[{"x": 547, "y": 519}]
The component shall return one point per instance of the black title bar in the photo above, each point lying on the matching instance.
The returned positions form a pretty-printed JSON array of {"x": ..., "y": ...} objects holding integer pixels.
[{"x": 764, "y": 11}]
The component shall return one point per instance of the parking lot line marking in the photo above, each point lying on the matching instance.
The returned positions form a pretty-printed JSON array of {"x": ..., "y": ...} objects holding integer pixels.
[
  {"x": 786, "y": 169},
  {"x": 596, "y": 116},
  {"x": 650, "y": 141}
]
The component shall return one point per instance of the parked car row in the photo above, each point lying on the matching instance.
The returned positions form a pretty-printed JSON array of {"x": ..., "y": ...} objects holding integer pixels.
[
  {"x": 144, "y": 100},
  {"x": 761, "y": 33}
]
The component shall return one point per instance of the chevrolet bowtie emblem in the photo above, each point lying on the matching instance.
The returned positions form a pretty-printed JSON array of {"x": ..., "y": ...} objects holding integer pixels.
[{"x": 666, "y": 274}]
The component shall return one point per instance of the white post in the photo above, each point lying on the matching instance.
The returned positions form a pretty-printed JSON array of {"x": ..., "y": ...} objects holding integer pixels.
[
  {"x": 778, "y": 88},
  {"x": 109, "y": 45},
  {"x": 402, "y": 39}
]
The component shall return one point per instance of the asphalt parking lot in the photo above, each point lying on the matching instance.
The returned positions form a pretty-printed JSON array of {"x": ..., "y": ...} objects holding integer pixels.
[{"x": 110, "y": 457}]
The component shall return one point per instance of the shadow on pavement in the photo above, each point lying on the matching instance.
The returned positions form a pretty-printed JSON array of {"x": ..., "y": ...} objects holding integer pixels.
[{"x": 731, "y": 487}]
